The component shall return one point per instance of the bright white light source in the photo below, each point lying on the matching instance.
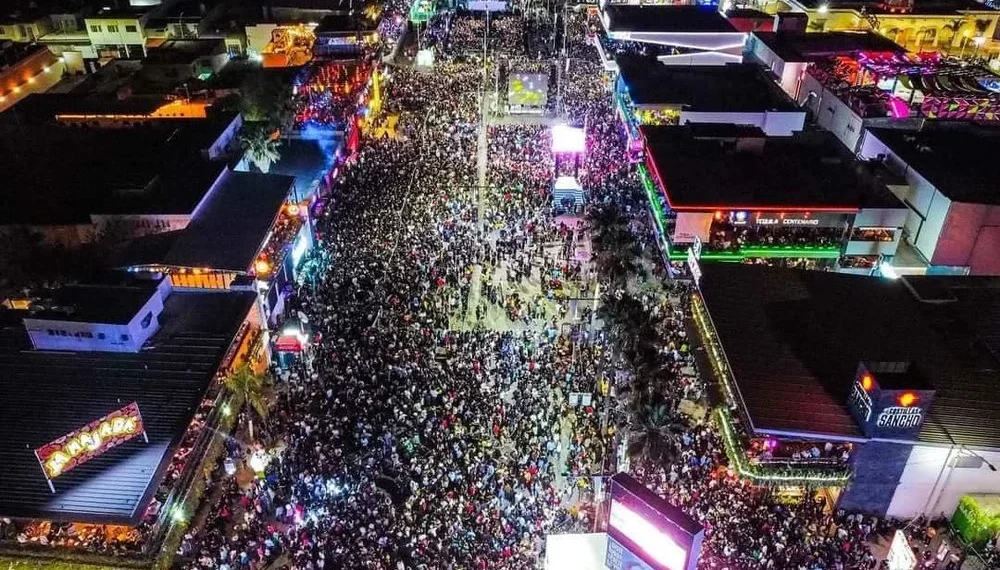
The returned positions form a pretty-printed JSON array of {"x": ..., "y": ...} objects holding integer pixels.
[
  {"x": 655, "y": 543},
  {"x": 568, "y": 139}
]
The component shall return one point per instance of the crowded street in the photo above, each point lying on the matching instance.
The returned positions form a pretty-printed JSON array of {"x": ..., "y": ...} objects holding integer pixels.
[{"x": 472, "y": 370}]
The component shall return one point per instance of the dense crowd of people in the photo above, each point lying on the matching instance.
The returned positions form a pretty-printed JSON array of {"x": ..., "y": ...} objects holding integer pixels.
[{"x": 455, "y": 403}]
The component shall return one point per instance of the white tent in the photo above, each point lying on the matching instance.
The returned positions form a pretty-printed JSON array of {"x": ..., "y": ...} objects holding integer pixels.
[{"x": 576, "y": 551}]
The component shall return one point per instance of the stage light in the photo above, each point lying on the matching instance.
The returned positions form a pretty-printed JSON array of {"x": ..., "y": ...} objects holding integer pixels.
[{"x": 568, "y": 139}]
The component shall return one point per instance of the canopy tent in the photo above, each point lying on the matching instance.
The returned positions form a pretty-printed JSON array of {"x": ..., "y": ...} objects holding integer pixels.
[{"x": 576, "y": 551}]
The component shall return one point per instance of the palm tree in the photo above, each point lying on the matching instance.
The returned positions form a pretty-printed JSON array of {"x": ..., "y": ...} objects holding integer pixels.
[
  {"x": 616, "y": 251},
  {"x": 952, "y": 26},
  {"x": 659, "y": 431},
  {"x": 251, "y": 389},
  {"x": 261, "y": 148}
]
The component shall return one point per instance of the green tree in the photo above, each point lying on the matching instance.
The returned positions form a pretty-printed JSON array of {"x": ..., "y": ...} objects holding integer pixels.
[
  {"x": 261, "y": 147},
  {"x": 658, "y": 432},
  {"x": 265, "y": 97},
  {"x": 251, "y": 389},
  {"x": 616, "y": 252}
]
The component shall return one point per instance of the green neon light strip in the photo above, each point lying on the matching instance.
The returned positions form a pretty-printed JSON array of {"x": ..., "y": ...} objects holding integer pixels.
[
  {"x": 737, "y": 459},
  {"x": 758, "y": 474},
  {"x": 808, "y": 251}
]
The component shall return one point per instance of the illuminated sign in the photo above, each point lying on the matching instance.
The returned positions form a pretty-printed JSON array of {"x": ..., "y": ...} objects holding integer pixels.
[
  {"x": 861, "y": 401},
  {"x": 80, "y": 446},
  {"x": 650, "y": 540},
  {"x": 787, "y": 221},
  {"x": 644, "y": 531},
  {"x": 568, "y": 139},
  {"x": 890, "y": 399},
  {"x": 900, "y": 417},
  {"x": 900, "y": 556}
]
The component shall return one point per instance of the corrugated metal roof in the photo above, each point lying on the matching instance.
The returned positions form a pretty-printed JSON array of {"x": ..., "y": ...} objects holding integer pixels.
[
  {"x": 49, "y": 394},
  {"x": 794, "y": 340}
]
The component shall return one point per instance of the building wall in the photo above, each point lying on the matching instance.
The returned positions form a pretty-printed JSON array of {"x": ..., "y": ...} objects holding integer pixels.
[
  {"x": 788, "y": 74},
  {"x": 831, "y": 113},
  {"x": 125, "y": 33},
  {"x": 965, "y": 230},
  {"x": 877, "y": 468},
  {"x": 933, "y": 481},
  {"x": 36, "y": 73},
  {"x": 772, "y": 123},
  {"x": 140, "y": 225}
]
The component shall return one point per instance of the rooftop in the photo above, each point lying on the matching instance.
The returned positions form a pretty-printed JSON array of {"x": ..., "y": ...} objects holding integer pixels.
[
  {"x": 707, "y": 88},
  {"x": 811, "y": 46},
  {"x": 665, "y": 19},
  {"x": 958, "y": 158},
  {"x": 343, "y": 23},
  {"x": 807, "y": 170},
  {"x": 112, "y": 304},
  {"x": 157, "y": 169},
  {"x": 795, "y": 366},
  {"x": 173, "y": 52},
  {"x": 232, "y": 226},
  {"x": 43, "y": 401}
]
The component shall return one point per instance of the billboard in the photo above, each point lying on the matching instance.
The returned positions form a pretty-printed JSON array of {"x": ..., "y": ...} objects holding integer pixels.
[
  {"x": 889, "y": 399},
  {"x": 80, "y": 446},
  {"x": 645, "y": 532}
]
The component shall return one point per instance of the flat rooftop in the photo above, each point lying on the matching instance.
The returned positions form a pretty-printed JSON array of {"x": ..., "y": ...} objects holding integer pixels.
[
  {"x": 958, "y": 158},
  {"x": 43, "y": 401},
  {"x": 812, "y": 46},
  {"x": 706, "y": 88},
  {"x": 231, "y": 227},
  {"x": 665, "y": 19},
  {"x": 114, "y": 304},
  {"x": 920, "y": 7},
  {"x": 172, "y": 52},
  {"x": 795, "y": 365},
  {"x": 806, "y": 170},
  {"x": 62, "y": 175}
]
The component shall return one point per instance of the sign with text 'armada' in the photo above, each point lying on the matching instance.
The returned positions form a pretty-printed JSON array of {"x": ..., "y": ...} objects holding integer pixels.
[{"x": 81, "y": 445}]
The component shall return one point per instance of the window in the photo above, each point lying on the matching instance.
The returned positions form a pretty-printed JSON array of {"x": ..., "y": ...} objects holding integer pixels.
[
  {"x": 131, "y": 29},
  {"x": 63, "y": 333},
  {"x": 112, "y": 28},
  {"x": 95, "y": 28},
  {"x": 51, "y": 332},
  {"x": 100, "y": 336},
  {"x": 2, "y": 31},
  {"x": 146, "y": 320},
  {"x": 124, "y": 338}
]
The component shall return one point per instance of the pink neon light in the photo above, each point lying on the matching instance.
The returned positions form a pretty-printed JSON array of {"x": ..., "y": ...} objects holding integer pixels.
[
  {"x": 644, "y": 534},
  {"x": 568, "y": 139},
  {"x": 898, "y": 108}
]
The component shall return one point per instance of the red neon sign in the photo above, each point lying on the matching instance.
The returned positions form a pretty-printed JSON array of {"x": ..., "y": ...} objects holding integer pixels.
[{"x": 80, "y": 446}]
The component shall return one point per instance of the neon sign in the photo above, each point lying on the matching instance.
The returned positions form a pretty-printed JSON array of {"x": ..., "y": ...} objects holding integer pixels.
[{"x": 80, "y": 446}]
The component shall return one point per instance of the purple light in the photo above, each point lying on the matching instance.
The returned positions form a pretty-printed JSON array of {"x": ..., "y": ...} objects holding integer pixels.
[
  {"x": 654, "y": 543},
  {"x": 898, "y": 108},
  {"x": 568, "y": 139}
]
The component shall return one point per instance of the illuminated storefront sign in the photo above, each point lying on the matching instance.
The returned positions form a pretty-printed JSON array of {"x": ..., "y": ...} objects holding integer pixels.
[
  {"x": 900, "y": 417},
  {"x": 890, "y": 399},
  {"x": 80, "y": 446}
]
